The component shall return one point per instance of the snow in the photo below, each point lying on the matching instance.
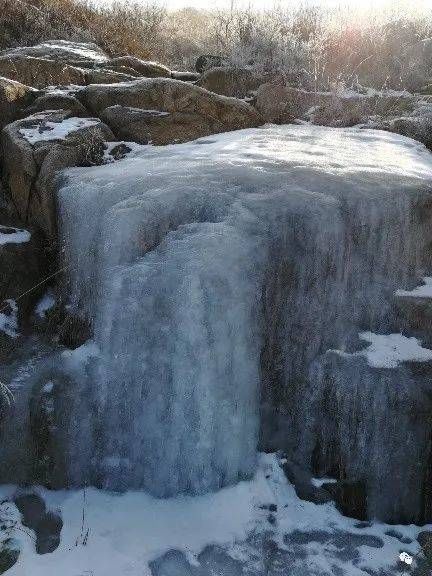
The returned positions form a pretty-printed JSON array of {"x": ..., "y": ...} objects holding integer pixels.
[
  {"x": 48, "y": 131},
  {"x": 126, "y": 531},
  {"x": 9, "y": 235},
  {"x": 45, "y": 304},
  {"x": 9, "y": 321},
  {"x": 390, "y": 350},
  {"x": 423, "y": 291}
]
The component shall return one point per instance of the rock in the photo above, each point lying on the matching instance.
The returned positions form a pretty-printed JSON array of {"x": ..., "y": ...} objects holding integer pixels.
[
  {"x": 215, "y": 560},
  {"x": 53, "y": 101},
  {"x": 425, "y": 540},
  {"x": 152, "y": 126},
  {"x": 185, "y": 76},
  {"x": 237, "y": 82},
  {"x": 62, "y": 51},
  {"x": 13, "y": 97},
  {"x": 350, "y": 498},
  {"x": 46, "y": 525},
  {"x": 40, "y": 72},
  {"x": 174, "y": 563},
  {"x": 303, "y": 486},
  {"x": 107, "y": 76},
  {"x": 416, "y": 127},
  {"x": 9, "y": 554},
  {"x": 199, "y": 111},
  {"x": 30, "y": 163},
  {"x": 21, "y": 265},
  {"x": 142, "y": 67},
  {"x": 208, "y": 61}
]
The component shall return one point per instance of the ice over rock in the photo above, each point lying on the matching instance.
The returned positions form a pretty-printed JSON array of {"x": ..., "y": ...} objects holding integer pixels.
[{"x": 217, "y": 275}]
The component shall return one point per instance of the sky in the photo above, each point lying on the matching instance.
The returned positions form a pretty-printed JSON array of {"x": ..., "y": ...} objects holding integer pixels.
[{"x": 211, "y": 4}]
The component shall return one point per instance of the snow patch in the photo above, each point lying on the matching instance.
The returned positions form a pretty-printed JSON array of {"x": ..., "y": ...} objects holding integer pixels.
[
  {"x": 45, "y": 303},
  {"x": 48, "y": 131},
  {"x": 390, "y": 350},
  {"x": 9, "y": 235},
  {"x": 423, "y": 291}
]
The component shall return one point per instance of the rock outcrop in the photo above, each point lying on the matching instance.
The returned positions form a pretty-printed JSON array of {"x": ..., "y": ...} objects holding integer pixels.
[
  {"x": 13, "y": 97},
  {"x": 231, "y": 81},
  {"x": 189, "y": 111},
  {"x": 35, "y": 148}
]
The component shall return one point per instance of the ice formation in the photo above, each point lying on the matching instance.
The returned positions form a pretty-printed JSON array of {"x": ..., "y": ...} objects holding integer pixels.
[{"x": 220, "y": 277}]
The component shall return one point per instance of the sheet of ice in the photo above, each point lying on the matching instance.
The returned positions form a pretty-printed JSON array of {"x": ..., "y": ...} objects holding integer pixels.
[
  {"x": 126, "y": 531},
  {"x": 45, "y": 303},
  {"x": 423, "y": 291},
  {"x": 9, "y": 235},
  {"x": 9, "y": 319},
  {"x": 390, "y": 350},
  {"x": 56, "y": 130},
  {"x": 192, "y": 260}
]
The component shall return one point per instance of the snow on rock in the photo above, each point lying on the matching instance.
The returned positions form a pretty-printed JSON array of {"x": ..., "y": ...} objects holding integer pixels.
[
  {"x": 9, "y": 235},
  {"x": 423, "y": 291},
  {"x": 56, "y": 130},
  {"x": 390, "y": 350},
  {"x": 45, "y": 304},
  {"x": 9, "y": 318}
]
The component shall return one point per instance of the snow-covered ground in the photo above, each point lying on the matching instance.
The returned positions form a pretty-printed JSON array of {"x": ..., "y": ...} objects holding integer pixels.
[{"x": 127, "y": 531}]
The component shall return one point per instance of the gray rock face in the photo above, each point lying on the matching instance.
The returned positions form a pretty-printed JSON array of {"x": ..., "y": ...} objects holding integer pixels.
[{"x": 53, "y": 101}]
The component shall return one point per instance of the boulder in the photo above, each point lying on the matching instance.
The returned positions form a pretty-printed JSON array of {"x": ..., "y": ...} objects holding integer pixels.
[
  {"x": 237, "y": 82},
  {"x": 56, "y": 101},
  {"x": 46, "y": 525},
  {"x": 13, "y": 97},
  {"x": 107, "y": 76},
  {"x": 201, "y": 112},
  {"x": 416, "y": 127},
  {"x": 36, "y": 148},
  {"x": 142, "y": 67},
  {"x": 153, "y": 126},
  {"x": 9, "y": 554},
  {"x": 40, "y": 72},
  {"x": 350, "y": 498},
  {"x": 207, "y": 61},
  {"x": 61, "y": 51}
]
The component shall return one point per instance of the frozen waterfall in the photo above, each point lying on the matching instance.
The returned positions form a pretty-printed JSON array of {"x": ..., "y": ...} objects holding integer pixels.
[{"x": 227, "y": 281}]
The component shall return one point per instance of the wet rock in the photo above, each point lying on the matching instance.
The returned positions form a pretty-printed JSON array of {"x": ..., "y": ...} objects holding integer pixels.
[{"x": 303, "y": 486}]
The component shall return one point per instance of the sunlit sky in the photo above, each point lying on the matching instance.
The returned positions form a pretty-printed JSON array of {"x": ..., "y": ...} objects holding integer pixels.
[{"x": 265, "y": 4}]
